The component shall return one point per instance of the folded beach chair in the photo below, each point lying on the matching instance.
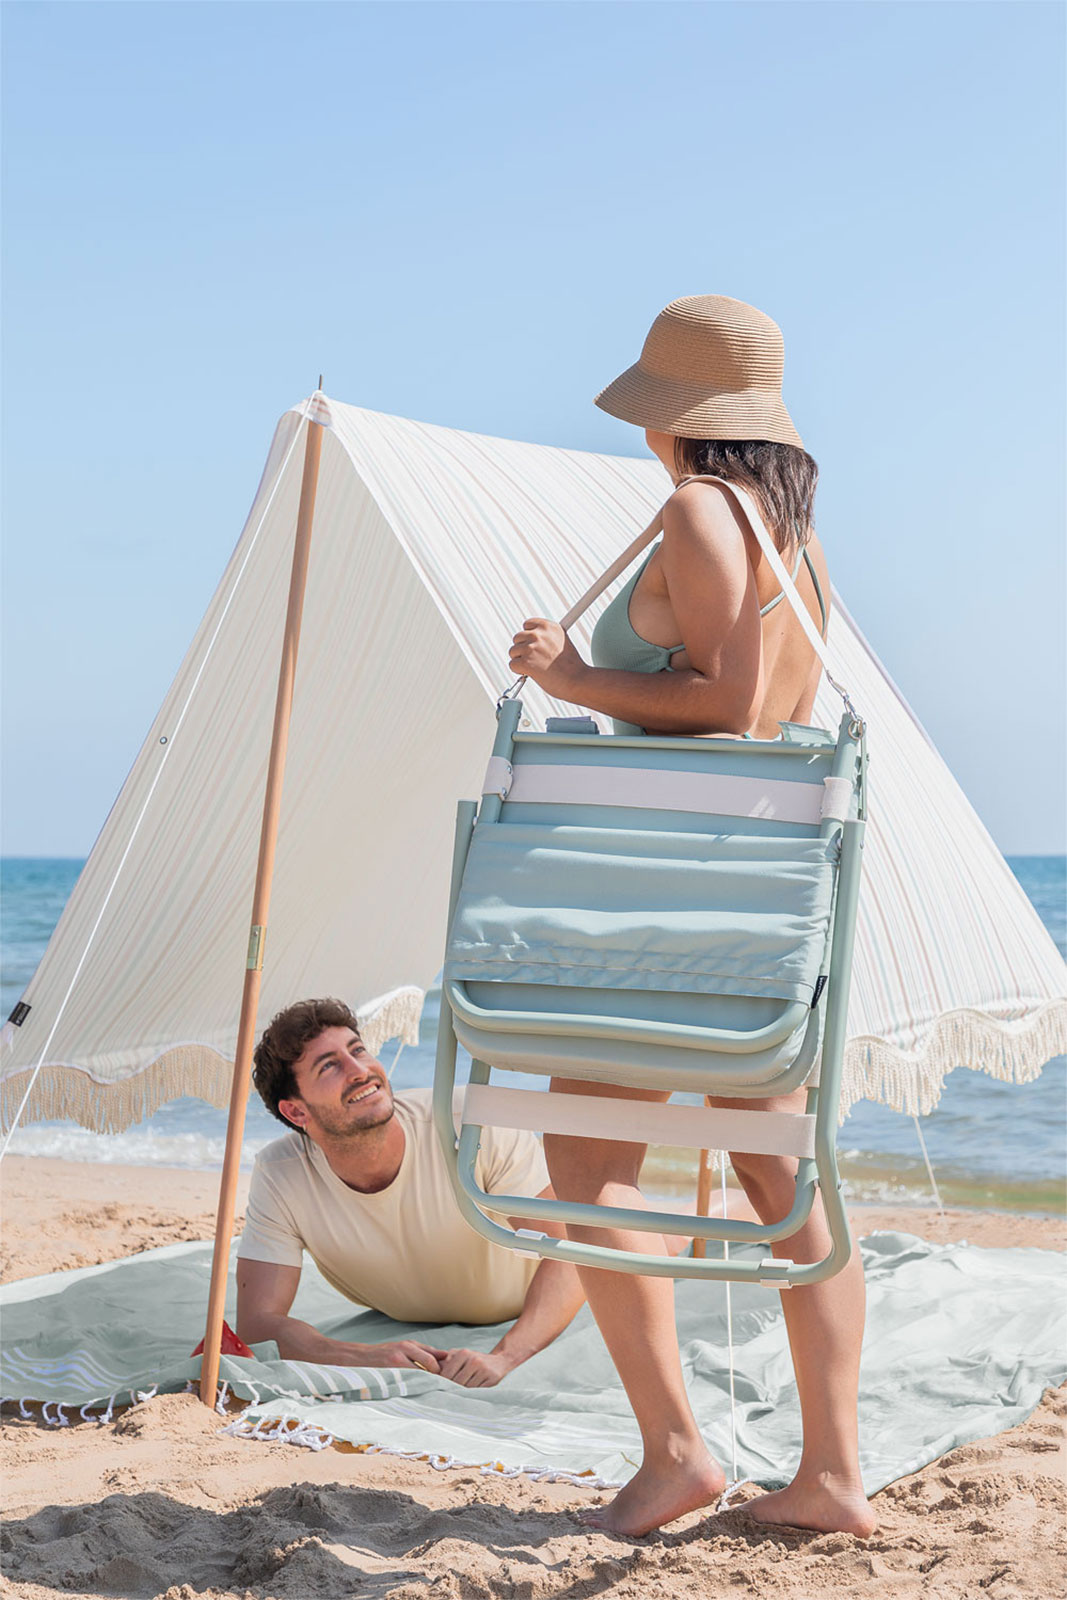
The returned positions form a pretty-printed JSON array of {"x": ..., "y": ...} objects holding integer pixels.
[{"x": 662, "y": 913}]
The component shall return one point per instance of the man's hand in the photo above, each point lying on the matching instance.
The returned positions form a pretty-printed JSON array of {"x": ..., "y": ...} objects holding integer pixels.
[
  {"x": 405, "y": 1353},
  {"x": 475, "y": 1369},
  {"x": 265, "y": 1293}
]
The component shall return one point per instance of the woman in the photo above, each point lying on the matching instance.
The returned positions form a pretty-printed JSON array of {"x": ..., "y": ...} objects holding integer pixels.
[{"x": 698, "y": 642}]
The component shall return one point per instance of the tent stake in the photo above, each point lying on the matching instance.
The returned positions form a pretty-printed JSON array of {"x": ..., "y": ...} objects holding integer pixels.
[{"x": 242, "y": 1067}]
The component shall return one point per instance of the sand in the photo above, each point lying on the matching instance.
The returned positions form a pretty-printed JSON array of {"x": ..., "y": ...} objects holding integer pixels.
[{"x": 159, "y": 1504}]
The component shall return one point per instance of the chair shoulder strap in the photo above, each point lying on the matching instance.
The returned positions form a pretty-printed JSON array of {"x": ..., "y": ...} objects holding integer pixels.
[
  {"x": 770, "y": 550},
  {"x": 749, "y": 511},
  {"x": 619, "y": 565}
]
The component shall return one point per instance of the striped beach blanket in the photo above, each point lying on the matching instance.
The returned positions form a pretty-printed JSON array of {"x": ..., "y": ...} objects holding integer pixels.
[{"x": 960, "y": 1344}]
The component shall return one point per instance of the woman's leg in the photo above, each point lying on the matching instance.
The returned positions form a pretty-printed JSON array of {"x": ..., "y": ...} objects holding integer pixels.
[
  {"x": 824, "y": 1322},
  {"x": 636, "y": 1318}
]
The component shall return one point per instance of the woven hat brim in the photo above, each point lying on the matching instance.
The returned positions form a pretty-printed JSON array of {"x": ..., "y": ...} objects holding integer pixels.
[{"x": 688, "y": 410}]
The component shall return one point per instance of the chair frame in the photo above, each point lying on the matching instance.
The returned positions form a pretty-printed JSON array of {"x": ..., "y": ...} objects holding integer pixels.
[{"x": 817, "y": 1172}]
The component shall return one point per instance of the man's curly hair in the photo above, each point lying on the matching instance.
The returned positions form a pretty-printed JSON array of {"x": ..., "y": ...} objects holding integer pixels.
[{"x": 284, "y": 1042}]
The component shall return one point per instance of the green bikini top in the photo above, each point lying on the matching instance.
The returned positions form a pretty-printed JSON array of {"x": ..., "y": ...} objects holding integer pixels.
[{"x": 616, "y": 644}]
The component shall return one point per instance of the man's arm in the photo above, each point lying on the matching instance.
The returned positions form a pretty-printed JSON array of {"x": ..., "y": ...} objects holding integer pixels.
[
  {"x": 552, "y": 1300},
  {"x": 265, "y": 1292}
]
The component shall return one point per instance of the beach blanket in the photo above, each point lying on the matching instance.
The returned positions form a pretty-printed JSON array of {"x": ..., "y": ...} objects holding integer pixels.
[{"x": 960, "y": 1344}]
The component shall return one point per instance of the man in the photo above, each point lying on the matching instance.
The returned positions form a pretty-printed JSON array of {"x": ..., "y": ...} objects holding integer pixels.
[{"x": 360, "y": 1183}]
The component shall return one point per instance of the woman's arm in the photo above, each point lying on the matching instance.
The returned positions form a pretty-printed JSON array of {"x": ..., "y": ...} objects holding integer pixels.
[{"x": 712, "y": 593}]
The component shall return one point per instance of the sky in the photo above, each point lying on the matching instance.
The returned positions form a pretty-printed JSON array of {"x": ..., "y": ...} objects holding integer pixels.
[{"x": 470, "y": 214}]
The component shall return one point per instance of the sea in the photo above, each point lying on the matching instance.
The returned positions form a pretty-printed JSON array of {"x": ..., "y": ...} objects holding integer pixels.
[{"x": 992, "y": 1145}]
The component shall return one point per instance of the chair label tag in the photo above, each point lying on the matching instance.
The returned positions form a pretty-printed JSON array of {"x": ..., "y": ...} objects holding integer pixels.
[{"x": 571, "y": 725}]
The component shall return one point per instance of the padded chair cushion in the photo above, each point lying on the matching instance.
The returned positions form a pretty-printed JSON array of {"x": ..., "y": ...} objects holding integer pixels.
[{"x": 611, "y": 909}]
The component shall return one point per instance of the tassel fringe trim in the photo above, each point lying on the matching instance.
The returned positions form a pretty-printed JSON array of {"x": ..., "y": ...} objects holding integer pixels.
[
  {"x": 69, "y": 1094},
  {"x": 910, "y": 1082},
  {"x": 395, "y": 1015}
]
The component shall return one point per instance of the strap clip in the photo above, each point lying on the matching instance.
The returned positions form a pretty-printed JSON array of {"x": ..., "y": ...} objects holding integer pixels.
[{"x": 777, "y": 1267}]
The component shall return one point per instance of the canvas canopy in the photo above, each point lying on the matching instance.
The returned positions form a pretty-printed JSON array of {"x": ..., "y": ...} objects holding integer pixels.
[{"x": 430, "y": 547}]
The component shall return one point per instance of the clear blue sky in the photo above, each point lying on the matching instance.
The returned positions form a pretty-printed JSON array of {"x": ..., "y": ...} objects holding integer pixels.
[{"x": 469, "y": 214}]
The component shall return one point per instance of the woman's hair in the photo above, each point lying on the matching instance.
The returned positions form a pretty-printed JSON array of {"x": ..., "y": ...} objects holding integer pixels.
[
  {"x": 781, "y": 479},
  {"x": 284, "y": 1042}
]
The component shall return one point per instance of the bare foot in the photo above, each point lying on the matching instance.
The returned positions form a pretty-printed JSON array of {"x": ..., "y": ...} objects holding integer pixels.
[
  {"x": 659, "y": 1492},
  {"x": 826, "y": 1504}
]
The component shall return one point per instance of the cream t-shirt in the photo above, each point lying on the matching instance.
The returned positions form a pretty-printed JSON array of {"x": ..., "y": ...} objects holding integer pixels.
[{"x": 404, "y": 1251}]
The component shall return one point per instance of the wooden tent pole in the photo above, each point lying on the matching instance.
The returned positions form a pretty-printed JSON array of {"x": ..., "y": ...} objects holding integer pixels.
[
  {"x": 703, "y": 1198},
  {"x": 242, "y": 1067}
]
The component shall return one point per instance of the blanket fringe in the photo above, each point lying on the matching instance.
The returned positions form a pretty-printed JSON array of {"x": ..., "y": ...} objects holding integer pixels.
[
  {"x": 87, "y": 1413},
  {"x": 287, "y": 1429},
  {"x": 290, "y": 1429}
]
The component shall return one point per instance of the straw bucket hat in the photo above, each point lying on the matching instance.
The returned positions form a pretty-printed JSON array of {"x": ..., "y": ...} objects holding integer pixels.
[{"x": 711, "y": 368}]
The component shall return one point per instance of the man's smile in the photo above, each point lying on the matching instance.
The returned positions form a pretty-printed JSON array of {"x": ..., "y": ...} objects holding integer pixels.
[{"x": 363, "y": 1094}]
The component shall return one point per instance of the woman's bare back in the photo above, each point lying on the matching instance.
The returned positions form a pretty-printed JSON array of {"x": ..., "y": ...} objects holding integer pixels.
[{"x": 791, "y": 669}]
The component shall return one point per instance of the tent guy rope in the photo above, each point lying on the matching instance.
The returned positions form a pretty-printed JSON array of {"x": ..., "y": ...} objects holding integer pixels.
[{"x": 168, "y": 740}]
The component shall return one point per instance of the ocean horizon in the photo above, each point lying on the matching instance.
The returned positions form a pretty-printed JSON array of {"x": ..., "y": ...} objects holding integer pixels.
[{"x": 993, "y": 1145}]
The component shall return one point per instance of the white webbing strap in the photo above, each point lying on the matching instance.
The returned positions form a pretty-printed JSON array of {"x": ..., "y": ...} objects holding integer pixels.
[
  {"x": 606, "y": 579},
  {"x": 497, "y": 778},
  {"x": 618, "y": 566},
  {"x": 661, "y": 789},
  {"x": 837, "y": 799},
  {"x": 588, "y": 1116}
]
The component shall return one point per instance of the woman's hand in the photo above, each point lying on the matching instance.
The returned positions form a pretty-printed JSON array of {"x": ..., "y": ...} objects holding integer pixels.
[{"x": 543, "y": 652}]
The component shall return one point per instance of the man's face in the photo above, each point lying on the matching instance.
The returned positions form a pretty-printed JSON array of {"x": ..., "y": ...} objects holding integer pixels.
[{"x": 341, "y": 1090}]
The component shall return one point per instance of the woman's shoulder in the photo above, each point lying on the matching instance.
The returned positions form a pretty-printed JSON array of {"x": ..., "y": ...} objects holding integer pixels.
[{"x": 700, "y": 510}]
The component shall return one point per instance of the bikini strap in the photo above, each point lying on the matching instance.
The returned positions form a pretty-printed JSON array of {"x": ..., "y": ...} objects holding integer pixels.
[
  {"x": 764, "y": 610},
  {"x": 817, "y": 586},
  {"x": 803, "y": 557}
]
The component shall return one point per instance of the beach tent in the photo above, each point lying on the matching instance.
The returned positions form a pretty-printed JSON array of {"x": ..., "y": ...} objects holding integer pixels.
[{"x": 429, "y": 547}]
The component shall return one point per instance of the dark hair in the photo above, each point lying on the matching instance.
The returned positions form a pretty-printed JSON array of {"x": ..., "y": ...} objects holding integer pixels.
[
  {"x": 780, "y": 477},
  {"x": 284, "y": 1042}
]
